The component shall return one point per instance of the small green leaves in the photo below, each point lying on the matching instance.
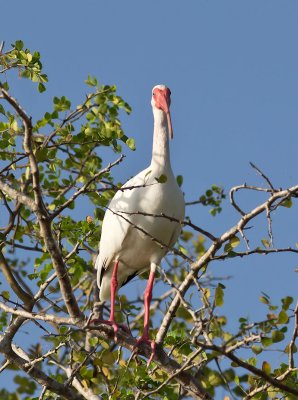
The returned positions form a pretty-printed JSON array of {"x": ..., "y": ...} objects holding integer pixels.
[
  {"x": 91, "y": 81},
  {"x": 61, "y": 104},
  {"x": 213, "y": 197},
  {"x": 162, "y": 179},
  {"x": 27, "y": 63},
  {"x": 19, "y": 44}
]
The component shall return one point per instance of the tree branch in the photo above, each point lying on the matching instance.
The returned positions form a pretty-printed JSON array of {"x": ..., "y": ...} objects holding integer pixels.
[
  {"x": 168, "y": 365},
  {"x": 210, "y": 253},
  {"x": 40, "y": 210},
  {"x": 84, "y": 188},
  {"x": 41, "y": 377},
  {"x": 256, "y": 371},
  {"x": 19, "y": 291}
]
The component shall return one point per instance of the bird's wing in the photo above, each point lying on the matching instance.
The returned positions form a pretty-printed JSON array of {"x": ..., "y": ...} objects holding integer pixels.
[{"x": 116, "y": 227}]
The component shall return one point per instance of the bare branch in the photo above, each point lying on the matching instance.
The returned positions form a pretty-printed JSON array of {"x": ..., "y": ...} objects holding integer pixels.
[
  {"x": 38, "y": 316},
  {"x": 293, "y": 339},
  {"x": 210, "y": 253},
  {"x": 264, "y": 177},
  {"x": 162, "y": 215},
  {"x": 256, "y": 251},
  {"x": 19, "y": 291},
  {"x": 44, "y": 356},
  {"x": 18, "y": 196}
]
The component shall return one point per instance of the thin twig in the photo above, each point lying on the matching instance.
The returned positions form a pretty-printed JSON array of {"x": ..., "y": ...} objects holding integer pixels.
[{"x": 264, "y": 177}]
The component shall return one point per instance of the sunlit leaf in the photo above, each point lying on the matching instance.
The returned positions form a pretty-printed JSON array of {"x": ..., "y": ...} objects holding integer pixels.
[{"x": 266, "y": 367}]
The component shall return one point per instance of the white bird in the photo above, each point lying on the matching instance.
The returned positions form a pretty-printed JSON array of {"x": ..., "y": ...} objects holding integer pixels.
[{"x": 126, "y": 247}]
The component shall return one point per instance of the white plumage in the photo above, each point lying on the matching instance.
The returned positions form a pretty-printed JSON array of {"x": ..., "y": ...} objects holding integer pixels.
[
  {"x": 126, "y": 246},
  {"x": 120, "y": 240}
]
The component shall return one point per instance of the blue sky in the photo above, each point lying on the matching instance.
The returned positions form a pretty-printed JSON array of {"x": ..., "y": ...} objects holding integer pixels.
[{"x": 232, "y": 67}]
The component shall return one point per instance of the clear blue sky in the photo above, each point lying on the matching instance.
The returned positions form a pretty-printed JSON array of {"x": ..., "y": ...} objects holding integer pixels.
[{"x": 232, "y": 67}]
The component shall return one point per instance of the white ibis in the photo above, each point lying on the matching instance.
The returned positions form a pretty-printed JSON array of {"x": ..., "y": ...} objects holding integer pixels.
[{"x": 126, "y": 247}]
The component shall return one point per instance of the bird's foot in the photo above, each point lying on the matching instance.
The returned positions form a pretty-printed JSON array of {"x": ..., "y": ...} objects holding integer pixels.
[
  {"x": 151, "y": 343},
  {"x": 112, "y": 323}
]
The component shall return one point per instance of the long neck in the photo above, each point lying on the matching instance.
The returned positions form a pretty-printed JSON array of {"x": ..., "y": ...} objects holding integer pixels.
[{"x": 160, "y": 150}]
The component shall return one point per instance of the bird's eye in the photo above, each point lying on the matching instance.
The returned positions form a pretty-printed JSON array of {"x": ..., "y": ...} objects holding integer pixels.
[{"x": 153, "y": 94}]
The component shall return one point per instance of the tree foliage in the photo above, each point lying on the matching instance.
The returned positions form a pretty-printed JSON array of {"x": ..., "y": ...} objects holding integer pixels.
[{"x": 51, "y": 168}]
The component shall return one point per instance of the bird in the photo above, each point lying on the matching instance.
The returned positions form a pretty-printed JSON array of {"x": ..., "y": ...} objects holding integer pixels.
[{"x": 133, "y": 239}]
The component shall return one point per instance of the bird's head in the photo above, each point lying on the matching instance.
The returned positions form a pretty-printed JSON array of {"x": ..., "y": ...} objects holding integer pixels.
[{"x": 161, "y": 99}]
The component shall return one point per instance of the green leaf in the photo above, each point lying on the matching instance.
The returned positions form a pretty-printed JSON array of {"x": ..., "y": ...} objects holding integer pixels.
[
  {"x": 283, "y": 317},
  {"x": 219, "y": 296},
  {"x": 19, "y": 44},
  {"x": 131, "y": 143},
  {"x": 265, "y": 243},
  {"x": 41, "y": 87},
  {"x": 287, "y": 203},
  {"x": 266, "y": 368},
  {"x": 93, "y": 341},
  {"x": 277, "y": 336},
  {"x": 85, "y": 372},
  {"x": 162, "y": 179},
  {"x": 252, "y": 361},
  {"x": 294, "y": 348},
  {"x": 264, "y": 300},
  {"x": 5, "y": 86},
  {"x": 91, "y": 81},
  {"x": 286, "y": 302},
  {"x": 234, "y": 241},
  {"x": 266, "y": 342},
  {"x": 42, "y": 154},
  {"x": 257, "y": 349},
  {"x": 179, "y": 180},
  {"x": 5, "y": 294}
]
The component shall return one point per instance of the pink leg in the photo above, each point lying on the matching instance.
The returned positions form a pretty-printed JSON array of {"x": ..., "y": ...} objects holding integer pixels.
[
  {"x": 113, "y": 288},
  {"x": 114, "y": 285},
  {"x": 147, "y": 300}
]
